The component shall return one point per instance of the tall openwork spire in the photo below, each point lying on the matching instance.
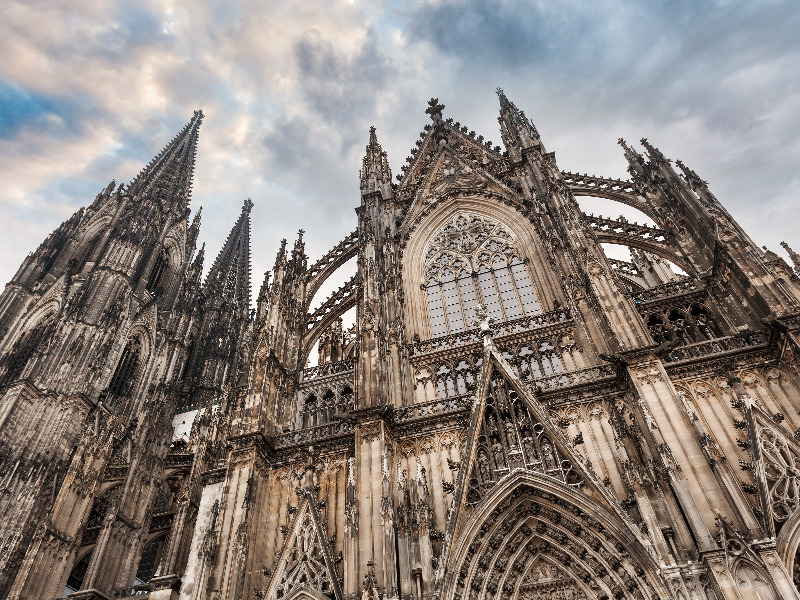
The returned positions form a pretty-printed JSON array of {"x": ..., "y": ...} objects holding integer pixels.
[
  {"x": 168, "y": 177},
  {"x": 375, "y": 172},
  {"x": 229, "y": 277}
]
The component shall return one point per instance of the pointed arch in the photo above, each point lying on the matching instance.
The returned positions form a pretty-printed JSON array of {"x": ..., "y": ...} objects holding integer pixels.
[
  {"x": 753, "y": 582},
  {"x": 306, "y": 593},
  {"x": 474, "y": 259},
  {"x": 305, "y": 561},
  {"x": 531, "y": 515},
  {"x": 544, "y": 286},
  {"x": 788, "y": 545}
]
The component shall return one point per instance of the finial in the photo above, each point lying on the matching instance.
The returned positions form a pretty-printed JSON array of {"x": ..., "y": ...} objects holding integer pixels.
[
  {"x": 247, "y": 206},
  {"x": 484, "y": 321},
  {"x": 434, "y": 109},
  {"x": 504, "y": 103}
]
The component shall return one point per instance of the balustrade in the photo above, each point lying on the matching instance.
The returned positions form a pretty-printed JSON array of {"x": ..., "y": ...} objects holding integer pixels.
[
  {"x": 499, "y": 330},
  {"x": 331, "y": 368},
  {"x": 730, "y": 343}
]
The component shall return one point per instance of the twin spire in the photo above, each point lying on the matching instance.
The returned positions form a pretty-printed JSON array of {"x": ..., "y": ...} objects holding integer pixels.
[{"x": 167, "y": 179}]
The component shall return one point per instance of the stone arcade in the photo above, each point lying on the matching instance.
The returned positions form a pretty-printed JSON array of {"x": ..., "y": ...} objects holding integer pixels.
[{"x": 514, "y": 415}]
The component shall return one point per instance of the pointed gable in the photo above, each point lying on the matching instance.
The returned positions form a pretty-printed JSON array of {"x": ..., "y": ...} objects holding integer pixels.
[
  {"x": 448, "y": 161},
  {"x": 511, "y": 432},
  {"x": 306, "y": 560}
]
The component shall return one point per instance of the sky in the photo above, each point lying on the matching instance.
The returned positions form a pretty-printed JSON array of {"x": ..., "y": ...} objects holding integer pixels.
[{"x": 92, "y": 90}]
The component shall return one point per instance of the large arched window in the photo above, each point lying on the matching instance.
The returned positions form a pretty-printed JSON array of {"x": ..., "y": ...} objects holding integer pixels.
[
  {"x": 473, "y": 259},
  {"x": 152, "y": 559}
]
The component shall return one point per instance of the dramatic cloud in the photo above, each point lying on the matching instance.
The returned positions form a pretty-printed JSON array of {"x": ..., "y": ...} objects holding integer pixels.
[{"x": 90, "y": 91}]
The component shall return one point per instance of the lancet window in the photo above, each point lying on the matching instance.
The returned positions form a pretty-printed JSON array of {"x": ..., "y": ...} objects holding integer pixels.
[
  {"x": 78, "y": 573},
  {"x": 151, "y": 559},
  {"x": 683, "y": 325},
  {"x": 101, "y": 506},
  {"x": 474, "y": 259},
  {"x": 13, "y": 364},
  {"x": 121, "y": 385},
  {"x": 157, "y": 272}
]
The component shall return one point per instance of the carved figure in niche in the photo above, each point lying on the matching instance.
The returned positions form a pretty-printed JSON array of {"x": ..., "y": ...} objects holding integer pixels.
[
  {"x": 548, "y": 456},
  {"x": 499, "y": 457},
  {"x": 483, "y": 465},
  {"x": 530, "y": 451}
]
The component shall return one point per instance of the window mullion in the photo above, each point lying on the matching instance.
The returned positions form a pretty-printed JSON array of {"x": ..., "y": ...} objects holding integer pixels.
[
  {"x": 499, "y": 296},
  {"x": 513, "y": 279}
]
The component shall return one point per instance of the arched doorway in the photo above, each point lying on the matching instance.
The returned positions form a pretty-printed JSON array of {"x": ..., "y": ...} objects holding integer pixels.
[{"x": 534, "y": 538}]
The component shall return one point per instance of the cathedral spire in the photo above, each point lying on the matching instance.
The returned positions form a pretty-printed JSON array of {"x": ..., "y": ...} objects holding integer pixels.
[
  {"x": 229, "y": 276},
  {"x": 652, "y": 152},
  {"x": 375, "y": 172},
  {"x": 168, "y": 177}
]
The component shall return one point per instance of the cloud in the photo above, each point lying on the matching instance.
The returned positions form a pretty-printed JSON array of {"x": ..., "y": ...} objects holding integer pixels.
[{"x": 90, "y": 91}]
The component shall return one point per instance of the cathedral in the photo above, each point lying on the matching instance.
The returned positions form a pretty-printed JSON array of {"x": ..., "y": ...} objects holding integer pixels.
[{"x": 513, "y": 415}]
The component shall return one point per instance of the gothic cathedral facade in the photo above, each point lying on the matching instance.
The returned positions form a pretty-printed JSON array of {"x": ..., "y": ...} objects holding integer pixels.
[{"x": 513, "y": 415}]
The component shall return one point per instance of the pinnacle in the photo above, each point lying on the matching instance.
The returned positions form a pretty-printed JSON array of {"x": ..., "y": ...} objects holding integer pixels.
[
  {"x": 197, "y": 217},
  {"x": 504, "y": 102}
]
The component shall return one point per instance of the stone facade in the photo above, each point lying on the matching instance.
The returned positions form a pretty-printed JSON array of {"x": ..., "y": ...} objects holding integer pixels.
[{"x": 513, "y": 415}]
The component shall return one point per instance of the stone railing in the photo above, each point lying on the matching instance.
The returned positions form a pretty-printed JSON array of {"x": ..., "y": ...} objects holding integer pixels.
[
  {"x": 679, "y": 287},
  {"x": 331, "y": 368},
  {"x": 426, "y": 410},
  {"x": 599, "y": 183},
  {"x": 298, "y": 437},
  {"x": 471, "y": 336},
  {"x": 570, "y": 378},
  {"x": 140, "y": 591},
  {"x": 624, "y": 267},
  {"x": 622, "y": 228},
  {"x": 740, "y": 341},
  {"x": 336, "y": 299}
]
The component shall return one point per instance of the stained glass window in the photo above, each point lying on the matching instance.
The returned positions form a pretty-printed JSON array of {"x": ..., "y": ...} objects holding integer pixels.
[{"x": 473, "y": 259}]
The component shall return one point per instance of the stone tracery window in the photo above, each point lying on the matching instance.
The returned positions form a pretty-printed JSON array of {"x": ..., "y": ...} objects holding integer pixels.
[{"x": 473, "y": 259}]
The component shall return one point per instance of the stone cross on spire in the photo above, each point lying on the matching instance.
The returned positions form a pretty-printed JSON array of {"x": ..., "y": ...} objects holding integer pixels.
[{"x": 434, "y": 109}]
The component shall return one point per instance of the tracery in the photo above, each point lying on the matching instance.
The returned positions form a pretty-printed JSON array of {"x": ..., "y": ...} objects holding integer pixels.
[{"x": 474, "y": 259}]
